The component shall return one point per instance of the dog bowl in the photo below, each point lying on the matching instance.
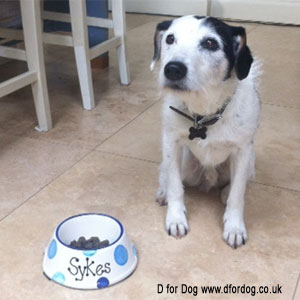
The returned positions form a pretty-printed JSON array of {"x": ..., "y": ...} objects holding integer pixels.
[{"x": 93, "y": 268}]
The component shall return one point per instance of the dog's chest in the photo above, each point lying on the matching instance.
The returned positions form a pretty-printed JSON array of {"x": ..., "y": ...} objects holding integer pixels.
[
  {"x": 216, "y": 147},
  {"x": 222, "y": 138},
  {"x": 211, "y": 154}
]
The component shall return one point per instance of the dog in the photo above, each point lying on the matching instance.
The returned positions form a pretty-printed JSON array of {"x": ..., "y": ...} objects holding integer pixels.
[{"x": 211, "y": 112}]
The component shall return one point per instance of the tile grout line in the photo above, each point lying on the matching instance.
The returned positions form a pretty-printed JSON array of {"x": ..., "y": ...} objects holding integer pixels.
[
  {"x": 125, "y": 125},
  {"x": 129, "y": 157},
  {"x": 93, "y": 148},
  {"x": 79, "y": 160},
  {"x": 277, "y": 105},
  {"x": 125, "y": 156},
  {"x": 120, "y": 155},
  {"x": 276, "y": 187},
  {"x": 44, "y": 186},
  {"x": 296, "y": 287}
]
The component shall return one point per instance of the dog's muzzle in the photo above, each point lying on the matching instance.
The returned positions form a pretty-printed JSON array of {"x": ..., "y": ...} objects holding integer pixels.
[{"x": 175, "y": 70}]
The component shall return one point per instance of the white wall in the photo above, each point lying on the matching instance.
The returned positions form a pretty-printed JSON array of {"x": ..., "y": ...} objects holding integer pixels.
[
  {"x": 276, "y": 11},
  {"x": 167, "y": 7}
]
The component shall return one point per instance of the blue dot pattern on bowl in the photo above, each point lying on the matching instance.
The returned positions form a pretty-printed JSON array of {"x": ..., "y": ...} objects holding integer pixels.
[
  {"x": 89, "y": 253},
  {"x": 59, "y": 277},
  {"x": 121, "y": 255},
  {"x": 134, "y": 251},
  {"x": 52, "y": 249},
  {"x": 102, "y": 282}
]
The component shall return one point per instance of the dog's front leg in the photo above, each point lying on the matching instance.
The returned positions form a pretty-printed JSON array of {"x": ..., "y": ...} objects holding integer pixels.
[
  {"x": 176, "y": 221},
  {"x": 234, "y": 227}
]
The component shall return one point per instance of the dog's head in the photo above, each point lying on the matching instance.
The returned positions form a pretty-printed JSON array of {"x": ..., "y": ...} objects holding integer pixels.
[{"x": 197, "y": 52}]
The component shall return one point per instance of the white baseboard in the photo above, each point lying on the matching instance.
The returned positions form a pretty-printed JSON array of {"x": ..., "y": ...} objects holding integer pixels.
[
  {"x": 167, "y": 7},
  {"x": 273, "y": 11}
]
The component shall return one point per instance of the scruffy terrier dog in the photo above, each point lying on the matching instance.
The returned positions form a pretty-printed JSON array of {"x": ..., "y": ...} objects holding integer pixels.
[{"x": 211, "y": 112}]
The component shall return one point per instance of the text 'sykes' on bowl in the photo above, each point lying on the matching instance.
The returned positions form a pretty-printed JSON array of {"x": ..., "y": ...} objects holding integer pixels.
[{"x": 93, "y": 268}]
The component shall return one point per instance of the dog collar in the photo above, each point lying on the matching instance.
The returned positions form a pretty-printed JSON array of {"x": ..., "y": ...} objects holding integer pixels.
[{"x": 201, "y": 122}]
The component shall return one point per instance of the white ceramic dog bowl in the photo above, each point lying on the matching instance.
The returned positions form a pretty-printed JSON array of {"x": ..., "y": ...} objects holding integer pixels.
[{"x": 90, "y": 269}]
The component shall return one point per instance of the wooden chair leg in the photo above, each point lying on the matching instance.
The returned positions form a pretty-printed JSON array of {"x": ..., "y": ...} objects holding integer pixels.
[
  {"x": 31, "y": 19},
  {"x": 118, "y": 16},
  {"x": 81, "y": 48}
]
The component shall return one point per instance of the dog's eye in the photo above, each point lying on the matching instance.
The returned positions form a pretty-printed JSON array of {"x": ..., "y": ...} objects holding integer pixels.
[
  {"x": 170, "y": 39},
  {"x": 210, "y": 44}
]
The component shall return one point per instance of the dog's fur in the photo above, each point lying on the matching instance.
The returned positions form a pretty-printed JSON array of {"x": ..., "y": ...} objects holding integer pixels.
[{"x": 226, "y": 157}]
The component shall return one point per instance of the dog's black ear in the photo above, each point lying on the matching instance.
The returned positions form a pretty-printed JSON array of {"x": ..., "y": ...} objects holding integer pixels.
[
  {"x": 160, "y": 29},
  {"x": 243, "y": 57}
]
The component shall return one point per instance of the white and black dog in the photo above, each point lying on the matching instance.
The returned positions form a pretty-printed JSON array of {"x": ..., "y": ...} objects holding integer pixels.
[{"x": 211, "y": 112}]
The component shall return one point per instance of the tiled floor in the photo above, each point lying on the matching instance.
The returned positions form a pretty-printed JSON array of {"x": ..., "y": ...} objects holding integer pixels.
[{"x": 107, "y": 161}]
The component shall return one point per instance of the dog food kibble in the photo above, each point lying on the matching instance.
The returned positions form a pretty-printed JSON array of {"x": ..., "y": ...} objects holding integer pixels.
[
  {"x": 73, "y": 244},
  {"x": 92, "y": 243},
  {"x": 104, "y": 243},
  {"x": 81, "y": 242}
]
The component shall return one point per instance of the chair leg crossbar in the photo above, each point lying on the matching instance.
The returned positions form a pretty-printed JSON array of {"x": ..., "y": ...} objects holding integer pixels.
[
  {"x": 33, "y": 55},
  {"x": 79, "y": 40},
  {"x": 33, "y": 38}
]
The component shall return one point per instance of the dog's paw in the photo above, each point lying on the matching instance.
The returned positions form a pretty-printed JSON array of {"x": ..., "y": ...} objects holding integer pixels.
[
  {"x": 161, "y": 197},
  {"x": 235, "y": 233},
  {"x": 176, "y": 223}
]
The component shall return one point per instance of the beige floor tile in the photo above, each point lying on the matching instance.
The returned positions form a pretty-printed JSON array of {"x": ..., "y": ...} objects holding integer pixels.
[
  {"x": 17, "y": 112},
  {"x": 136, "y": 20},
  {"x": 277, "y": 147},
  {"x": 278, "y": 48},
  {"x": 280, "y": 84},
  {"x": 276, "y": 43},
  {"x": 281, "y": 69},
  {"x": 140, "y": 139},
  {"x": 77, "y": 127},
  {"x": 279, "y": 51},
  {"x": 28, "y": 165},
  {"x": 17, "y": 109},
  {"x": 126, "y": 189},
  {"x": 296, "y": 294}
]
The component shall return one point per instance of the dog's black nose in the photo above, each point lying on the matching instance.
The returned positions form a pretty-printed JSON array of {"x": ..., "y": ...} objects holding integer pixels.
[{"x": 175, "y": 70}]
